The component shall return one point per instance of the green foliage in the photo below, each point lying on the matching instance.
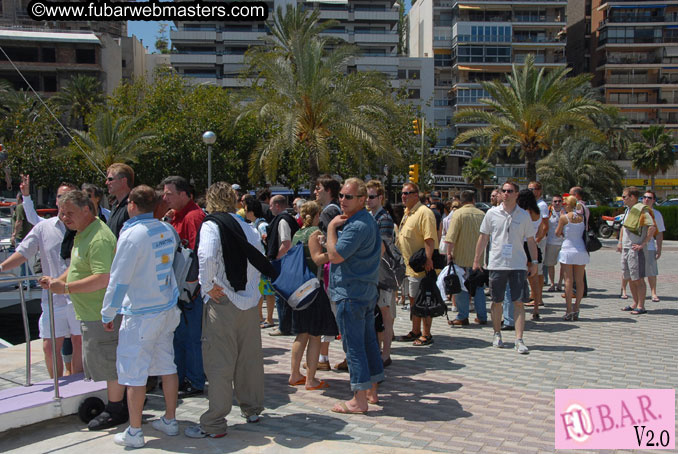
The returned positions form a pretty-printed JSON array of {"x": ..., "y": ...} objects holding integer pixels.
[
  {"x": 670, "y": 215},
  {"x": 533, "y": 111},
  {"x": 654, "y": 153},
  {"x": 477, "y": 171},
  {"x": 580, "y": 162},
  {"x": 79, "y": 97},
  {"x": 179, "y": 114},
  {"x": 313, "y": 112},
  {"x": 161, "y": 40}
]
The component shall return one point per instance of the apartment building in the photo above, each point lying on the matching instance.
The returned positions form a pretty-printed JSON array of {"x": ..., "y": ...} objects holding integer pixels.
[
  {"x": 478, "y": 40},
  {"x": 634, "y": 52},
  {"x": 214, "y": 52}
]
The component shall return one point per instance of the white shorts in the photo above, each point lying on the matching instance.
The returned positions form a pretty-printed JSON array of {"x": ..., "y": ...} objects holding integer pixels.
[
  {"x": 65, "y": 322},
  {"x": 324, "y": 338},
  {"x": 146, "y": 347},
  {"x": 411, "y": 286},
  {"x": 387, "y": 299}
]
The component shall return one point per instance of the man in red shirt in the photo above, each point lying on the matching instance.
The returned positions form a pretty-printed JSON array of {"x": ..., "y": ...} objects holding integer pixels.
[{"x": 187, "y": 219}]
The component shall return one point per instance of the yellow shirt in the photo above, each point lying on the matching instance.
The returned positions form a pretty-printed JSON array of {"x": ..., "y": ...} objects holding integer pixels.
[
  {"x": 417, "y": 226},
  {"x": 464, "y": 231}
]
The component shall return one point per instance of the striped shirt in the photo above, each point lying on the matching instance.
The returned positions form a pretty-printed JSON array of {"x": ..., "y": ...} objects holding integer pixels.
[
  {"x": 464, "y": 231},
  {"x": 213, "y": 272}
]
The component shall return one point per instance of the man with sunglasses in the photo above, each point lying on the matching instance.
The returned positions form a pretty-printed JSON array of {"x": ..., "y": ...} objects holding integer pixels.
[
  {"x": 507, "y": 226},
  {"x": 354, "y": 253},
  {"x": 386, "y": 302},
  {"x": 119, "y": 180},
  {"x": 417, "y": 230},
  {"x": 654, "y": 248}
]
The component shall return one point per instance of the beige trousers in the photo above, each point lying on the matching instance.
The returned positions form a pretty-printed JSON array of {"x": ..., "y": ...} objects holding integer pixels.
[{"x": 233, "y": 361}]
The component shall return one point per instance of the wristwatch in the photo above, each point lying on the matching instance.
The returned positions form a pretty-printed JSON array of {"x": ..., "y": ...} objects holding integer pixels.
[
  {"x": 536, "y": 262},
  {"x": 66, "y": 288}
]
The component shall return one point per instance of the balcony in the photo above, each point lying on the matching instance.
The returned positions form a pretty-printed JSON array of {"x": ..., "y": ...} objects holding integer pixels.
[
  {"x": 481, "y": 39},
  {"x": 638, "y": 40},
  {"x": 535, "y": 19},
  {"x": 624, "y": 79},
  {"x": 531, "y": 39},
  {"x": 623, "y": 19},
  {"x": 630, "y": 59},
  {"x": 193, "y": 35},
  {"x": 190, "y": 58}
]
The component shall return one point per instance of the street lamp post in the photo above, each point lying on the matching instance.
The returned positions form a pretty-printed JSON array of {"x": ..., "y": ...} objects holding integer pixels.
[{"x": 208, "y": 139}]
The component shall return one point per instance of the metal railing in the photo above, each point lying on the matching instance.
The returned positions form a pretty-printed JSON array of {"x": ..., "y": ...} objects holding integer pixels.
[{"x": 27, "y": 334}]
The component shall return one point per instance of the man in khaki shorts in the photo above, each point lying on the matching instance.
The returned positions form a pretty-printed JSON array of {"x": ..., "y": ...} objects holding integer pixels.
[{"x": 85, "y": 281}]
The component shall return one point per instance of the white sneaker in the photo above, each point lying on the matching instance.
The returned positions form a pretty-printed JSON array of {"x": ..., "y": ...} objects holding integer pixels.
[
  {"x": 521, "y": 347},
  {"x": 168, "y": 428},
  {"x": 497, "y": 342},
  {"x": 131, "y": 441}
]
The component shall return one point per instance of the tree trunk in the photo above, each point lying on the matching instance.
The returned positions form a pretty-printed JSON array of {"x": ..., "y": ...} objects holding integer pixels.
[
  {"x": 313, "y": 171},
  {"x": 479, "y": 190},
  {"x": 531, "y": 161}
]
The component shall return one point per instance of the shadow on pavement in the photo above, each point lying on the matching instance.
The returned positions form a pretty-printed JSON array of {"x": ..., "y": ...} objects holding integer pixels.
[{"x": 561, "y": 348}]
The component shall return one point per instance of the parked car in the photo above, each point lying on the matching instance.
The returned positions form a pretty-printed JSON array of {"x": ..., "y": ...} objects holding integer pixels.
[
  {"x": 483, "y": 206},
  {"x": 670, "y": 202}
]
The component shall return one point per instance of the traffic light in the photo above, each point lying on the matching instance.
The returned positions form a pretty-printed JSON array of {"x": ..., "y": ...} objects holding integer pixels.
[
  {"x": 414, "y": 173},
  {"x": 415, "y": 127}
]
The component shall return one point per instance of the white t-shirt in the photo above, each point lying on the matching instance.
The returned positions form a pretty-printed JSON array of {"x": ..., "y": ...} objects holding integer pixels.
[
  {"x": 284, "y": 232},
  {"x": 507, "y": 233},
  {"x": 659, "y": 221},
  {"x": 551, "y": 238},
  {"x": 543, "y": 214}
]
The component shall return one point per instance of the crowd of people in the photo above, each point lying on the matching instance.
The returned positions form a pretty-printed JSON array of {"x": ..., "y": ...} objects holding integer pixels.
[{"x": 116, "y": 295}]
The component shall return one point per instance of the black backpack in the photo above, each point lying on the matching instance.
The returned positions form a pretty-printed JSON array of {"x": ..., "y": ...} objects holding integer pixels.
[
  {"x": 391, "y": 267},
  {"x": 428, "y": 302}
]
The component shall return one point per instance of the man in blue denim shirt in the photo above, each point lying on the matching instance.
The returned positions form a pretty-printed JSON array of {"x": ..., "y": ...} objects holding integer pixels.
[{"x": 355, "y": 254}]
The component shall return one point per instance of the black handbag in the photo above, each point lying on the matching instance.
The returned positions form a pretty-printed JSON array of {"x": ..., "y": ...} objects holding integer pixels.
[
  {"x": 590, "y": 239},
  {"x": 451, "y": 280},
  {"x": 428, "y": 302},
  {"x": 418, "y": 260}
]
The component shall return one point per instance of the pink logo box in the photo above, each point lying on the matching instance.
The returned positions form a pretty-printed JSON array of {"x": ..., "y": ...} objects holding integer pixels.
[{"x": 615, "y": 418}]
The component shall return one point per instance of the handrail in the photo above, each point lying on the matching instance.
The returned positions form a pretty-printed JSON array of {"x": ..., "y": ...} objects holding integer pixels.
[{"x": 27, "y": 333}]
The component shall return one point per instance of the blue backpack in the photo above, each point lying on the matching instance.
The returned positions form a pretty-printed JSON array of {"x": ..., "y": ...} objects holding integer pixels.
[{"x": 296, "y": 284}]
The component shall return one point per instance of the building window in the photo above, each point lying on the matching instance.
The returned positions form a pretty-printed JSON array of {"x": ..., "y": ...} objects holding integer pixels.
[
  {"x": 85, "y": 56},
  {"x": 414, "y": 74},
  {"x": 48, "y": 54},
  {"x": 49, "y": 83},
  {"x": 413, "y": 94}
]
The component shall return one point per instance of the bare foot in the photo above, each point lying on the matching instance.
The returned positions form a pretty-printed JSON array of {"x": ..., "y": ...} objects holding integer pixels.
[{"x": 297, "y": 379}]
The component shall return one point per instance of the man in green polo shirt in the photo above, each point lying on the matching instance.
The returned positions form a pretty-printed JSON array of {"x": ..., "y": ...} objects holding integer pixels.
[{"x": 85, "y": 281}]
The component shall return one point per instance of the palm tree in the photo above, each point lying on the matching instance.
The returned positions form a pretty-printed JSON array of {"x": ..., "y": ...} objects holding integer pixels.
[
  {"x": 312, "y": 108},
  {"x": 531, "y": 111},
  {"x": 114, "y": 139},
  {"x": 654, "y": 154},
  {"x": 477, "y": 171},
  {"x": 580, "y": 162},
  {"x": 80, "y": 95}
]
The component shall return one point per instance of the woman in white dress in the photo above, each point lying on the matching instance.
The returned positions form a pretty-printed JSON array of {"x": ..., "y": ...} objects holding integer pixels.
[{"x": 573, "y": 256}]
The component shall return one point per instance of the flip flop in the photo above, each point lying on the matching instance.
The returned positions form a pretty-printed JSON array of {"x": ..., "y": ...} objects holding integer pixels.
[
  {"x": 322, "y": 385},
  {"x": 409, "y": 337},
  {"x": 629, "y": 309},
  {"x": 343, "y": 409},
  {"x": 624, "y": 297},
  {"x": 265, "y": 325},
  {"x": 638, "y": 311},
  {"x": 373, "y": 402},
  {"x": 301, "y": 381},
  {"x": 655, "y": 299},
  {"x": 427, "y": 340}
]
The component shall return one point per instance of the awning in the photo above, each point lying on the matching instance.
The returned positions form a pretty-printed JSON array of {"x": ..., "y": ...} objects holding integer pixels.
[
  {"x": 637, "y": 6},
  {"x": 469, "y": 7},
  {"x": 16, "y": 35}
]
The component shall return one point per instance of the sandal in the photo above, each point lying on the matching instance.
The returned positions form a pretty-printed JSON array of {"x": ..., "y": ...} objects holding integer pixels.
[
  {"x": 655, "y": 299},
  {"x": 409, "y": 337},
  {"x": 575, "y": 316},
  {"x": 638, "y": 311},
  {"x": 551, "y": 289},
  {"x": 343, "y": 409},
  {"x": 536, "y": 317},
  {"x": 265, "y": 325},
  {"x": 624, "y": 297},
  {"x": 629, "y": 309},
  {"x": 568, "y": 317},
  {"x": 424, "y": 340}
]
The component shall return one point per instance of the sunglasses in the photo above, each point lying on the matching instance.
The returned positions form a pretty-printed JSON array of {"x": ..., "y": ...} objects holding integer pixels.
[
  {"x": 372, "y": 196},
  {"x": 648, "y": 197},
  {"x": 406, "y": 193},
  {"x": 111, "y": 178},
  {"x": 508, "y": 191},
  {"x": 347, "y": 196}
]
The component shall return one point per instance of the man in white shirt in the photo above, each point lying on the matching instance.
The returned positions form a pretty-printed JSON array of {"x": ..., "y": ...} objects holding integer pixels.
[
  {"x": 46, "y": 238},
  {"x": 232, "y": 352},
  {"x": 507, "y": 225},
  {"x": 654, "y": 248},
  {"x": 537, "y": 281},
  {"x": 142, "y": 287}
]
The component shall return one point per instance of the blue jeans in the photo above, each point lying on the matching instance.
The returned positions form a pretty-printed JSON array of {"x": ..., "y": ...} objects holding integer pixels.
[
  {"x": 355, "y": 319},
  {"x": 508, "y": 308},
  {"x": 479, "y": 300},
  {"x": 188, "y": 344}
]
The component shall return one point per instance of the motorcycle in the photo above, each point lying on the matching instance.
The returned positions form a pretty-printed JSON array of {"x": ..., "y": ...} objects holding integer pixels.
[{"x": 610, "y": 225}]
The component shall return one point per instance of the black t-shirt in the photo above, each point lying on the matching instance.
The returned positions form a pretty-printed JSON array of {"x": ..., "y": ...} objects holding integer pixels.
[
  {"x": 119, "y": 216},
  {"x": 327, "y": 214}
]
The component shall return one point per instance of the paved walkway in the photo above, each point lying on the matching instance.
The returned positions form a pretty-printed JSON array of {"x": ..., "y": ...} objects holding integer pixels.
[{"x": 457, "y": 395}]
